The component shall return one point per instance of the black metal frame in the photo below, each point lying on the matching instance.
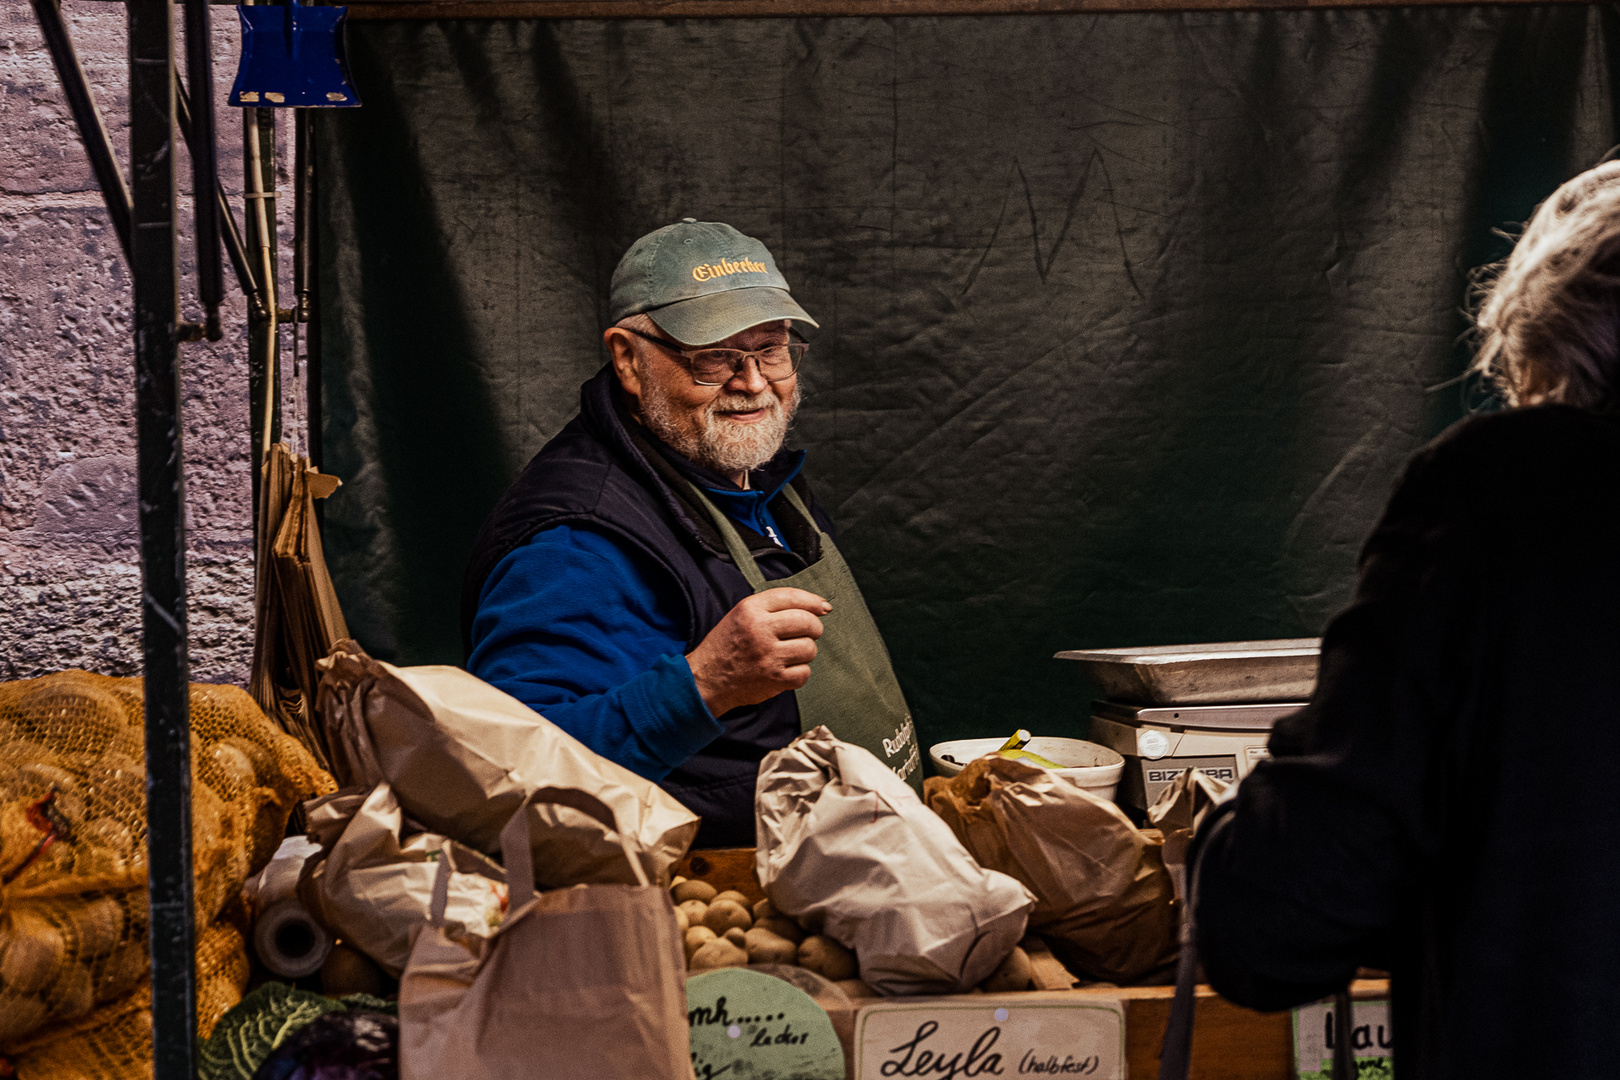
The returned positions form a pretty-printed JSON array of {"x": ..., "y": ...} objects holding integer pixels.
[
  {"x": 97, "y": 145},
  {"x": 159, "y": 462}
]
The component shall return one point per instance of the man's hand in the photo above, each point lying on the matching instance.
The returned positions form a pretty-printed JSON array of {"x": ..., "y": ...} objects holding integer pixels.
[{"x": 762, "y": 647}]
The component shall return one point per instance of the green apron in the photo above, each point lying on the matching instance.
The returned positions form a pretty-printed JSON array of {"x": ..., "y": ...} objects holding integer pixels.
[{"x": 852, "y": 688}]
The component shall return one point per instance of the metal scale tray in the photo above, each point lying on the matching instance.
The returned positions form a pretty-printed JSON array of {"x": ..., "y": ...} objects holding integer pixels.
[{"x": 1223, "y": 673}]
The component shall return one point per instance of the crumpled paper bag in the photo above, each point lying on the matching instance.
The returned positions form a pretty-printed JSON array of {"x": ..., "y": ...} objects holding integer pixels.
[
  {"x": 846, "y": 846},
  {"x": 1180, "y": 808},
  {"x": 372, "y": 884},
  {"x": 1104, "y": 900},
  {"x": 462, "y": 755},
  {"x": 1178, "y": 811}
]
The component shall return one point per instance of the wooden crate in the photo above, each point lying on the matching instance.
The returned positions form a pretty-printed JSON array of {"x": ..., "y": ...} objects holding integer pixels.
[{"x": 1229, "y": 1042}]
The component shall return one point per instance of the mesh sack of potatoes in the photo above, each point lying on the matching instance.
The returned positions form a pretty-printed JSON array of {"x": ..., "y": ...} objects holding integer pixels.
[
  {"x": 73, "y": 833},
  {"x": 114, "y": 1041}
]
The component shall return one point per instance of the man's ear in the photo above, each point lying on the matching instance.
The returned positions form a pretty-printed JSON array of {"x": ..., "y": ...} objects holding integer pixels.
[{"x": 621, "y": 347}]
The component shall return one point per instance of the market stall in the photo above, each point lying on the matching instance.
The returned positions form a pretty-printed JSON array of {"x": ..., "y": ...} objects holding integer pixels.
[{"x": 1047, "y": 278}]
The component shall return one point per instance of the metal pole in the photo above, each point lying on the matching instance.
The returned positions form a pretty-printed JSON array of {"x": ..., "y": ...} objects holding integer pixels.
[
  {"x": 310, "y": 300},
  {"x": 259, "y": 194},
  {"x": 233, "y": 239},
  {"x": 304, "y": 280},
  {"x": 303, "y": 212},
  {"x": 163, "y": 539},
  {"x": 91, "y": 130},
  {"x": 200, "y": 140}
]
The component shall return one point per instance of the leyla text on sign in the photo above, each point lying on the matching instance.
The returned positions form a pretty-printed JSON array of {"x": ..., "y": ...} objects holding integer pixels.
[{"x": 990, "y": 1036}]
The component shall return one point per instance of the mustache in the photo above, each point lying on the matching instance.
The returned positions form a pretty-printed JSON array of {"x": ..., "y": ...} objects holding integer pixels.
[{"x": 732, "y": 403}]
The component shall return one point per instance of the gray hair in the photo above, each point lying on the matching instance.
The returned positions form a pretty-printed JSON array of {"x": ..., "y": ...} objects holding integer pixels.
[
  {"x": 1549, "y": 315},
  {"x": 641, "y": 322}
]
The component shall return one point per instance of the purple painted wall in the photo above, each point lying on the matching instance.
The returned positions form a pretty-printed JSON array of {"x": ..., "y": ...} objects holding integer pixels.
[{"x": 69, "y": 576}]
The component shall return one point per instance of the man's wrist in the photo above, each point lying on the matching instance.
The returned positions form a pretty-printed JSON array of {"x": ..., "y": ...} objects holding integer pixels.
[{"x": 707, "y": 688}]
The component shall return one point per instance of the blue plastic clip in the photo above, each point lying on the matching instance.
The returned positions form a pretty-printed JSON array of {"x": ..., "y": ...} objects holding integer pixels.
[{"x": 292, "y": 57}]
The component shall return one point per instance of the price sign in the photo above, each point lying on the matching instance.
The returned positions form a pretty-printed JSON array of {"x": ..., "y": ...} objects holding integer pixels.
[
  {"x": 747, "y": 1025},
  {"x": 1370, "y": 1040},
  {"x": 985, "y": 1036}
]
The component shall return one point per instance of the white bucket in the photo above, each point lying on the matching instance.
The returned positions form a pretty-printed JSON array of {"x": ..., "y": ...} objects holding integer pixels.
[{"x": 1095, "y": 768}]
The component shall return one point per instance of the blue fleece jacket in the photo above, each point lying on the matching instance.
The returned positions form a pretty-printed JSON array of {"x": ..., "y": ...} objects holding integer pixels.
[{"x": 572, "y": 625}]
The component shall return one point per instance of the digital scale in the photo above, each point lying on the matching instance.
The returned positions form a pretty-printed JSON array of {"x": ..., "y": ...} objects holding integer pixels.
[{"x": 1171, "y": 708}]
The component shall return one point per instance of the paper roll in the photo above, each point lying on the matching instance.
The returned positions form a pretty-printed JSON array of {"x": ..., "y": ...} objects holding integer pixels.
[{"x": 288, "y": 941}]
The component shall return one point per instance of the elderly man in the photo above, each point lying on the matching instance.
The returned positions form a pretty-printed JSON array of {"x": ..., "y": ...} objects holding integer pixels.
[{"x": 660, "y": 580}]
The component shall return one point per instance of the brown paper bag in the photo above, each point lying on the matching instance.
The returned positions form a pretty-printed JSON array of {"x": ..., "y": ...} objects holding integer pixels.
[
  {"x": 461, "y": 755},
  {"x": 583, "y": 983},
  {"x": 1103, "y": 898},
  {"x": 846, "y": 846},
  {"x": 1181, "y": 807},
  {"x": 373, "y": 887},
  {"x": 1177, "y": 813}
]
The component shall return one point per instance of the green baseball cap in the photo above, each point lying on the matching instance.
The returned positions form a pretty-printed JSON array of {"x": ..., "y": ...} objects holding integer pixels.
[{"x": 701, "y": 282}]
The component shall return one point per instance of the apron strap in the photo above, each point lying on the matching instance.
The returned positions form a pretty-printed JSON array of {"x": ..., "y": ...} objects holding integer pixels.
[
  {"x": 728, "y": 532},
  {"x": 804, "y": 511}
]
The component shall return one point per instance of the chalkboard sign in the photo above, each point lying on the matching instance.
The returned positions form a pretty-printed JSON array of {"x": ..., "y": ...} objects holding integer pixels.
[{"x": 747, "y": 1025}]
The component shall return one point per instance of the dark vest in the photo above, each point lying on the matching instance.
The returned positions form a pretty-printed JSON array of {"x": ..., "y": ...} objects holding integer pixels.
[{"x": 605, "y": 470}]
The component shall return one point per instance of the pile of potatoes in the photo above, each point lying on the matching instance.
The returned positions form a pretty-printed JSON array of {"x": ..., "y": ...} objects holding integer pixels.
[{"x": 721, "y": 931}]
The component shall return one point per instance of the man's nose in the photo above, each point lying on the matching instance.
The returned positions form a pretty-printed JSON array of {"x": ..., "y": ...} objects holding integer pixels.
[{"x": 748, "y": 378}]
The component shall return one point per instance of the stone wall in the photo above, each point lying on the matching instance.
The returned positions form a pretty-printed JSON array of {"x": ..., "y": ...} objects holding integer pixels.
[{"x": 69, "y": 572}]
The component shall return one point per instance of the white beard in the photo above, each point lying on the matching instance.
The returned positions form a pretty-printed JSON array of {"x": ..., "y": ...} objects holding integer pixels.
[{"x": 718, "y": 444}]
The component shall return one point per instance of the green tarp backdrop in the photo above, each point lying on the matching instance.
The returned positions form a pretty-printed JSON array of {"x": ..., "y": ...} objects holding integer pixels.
[{"x": 1128, "y": 321}]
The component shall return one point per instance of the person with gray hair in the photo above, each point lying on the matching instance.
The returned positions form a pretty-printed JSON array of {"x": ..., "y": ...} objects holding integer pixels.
[
  {"x": 1441, "y": 808},
  {"x": 1548, "y": 323},
  {"x": 661, "y": 581}
]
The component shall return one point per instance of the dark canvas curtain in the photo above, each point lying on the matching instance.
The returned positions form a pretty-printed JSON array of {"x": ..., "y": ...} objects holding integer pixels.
[{"x": 1129, "y": 321}]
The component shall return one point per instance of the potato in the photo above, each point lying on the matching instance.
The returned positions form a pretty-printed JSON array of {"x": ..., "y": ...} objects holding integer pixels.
[
  {"x": 34, "y": 951},
  {"x": 347, "y": 970},
  {"x": 724, "y": 914},
  {"x": 20, "y": 1014},
  {"x": 765, "y": 947},
  {"x": 697, "y": 937},
  {"x": 96, "y": 925},
  {"x": 683, "y": 922},
  {"x": 235, "y": 769},
  {"x": 765, "y": 909},
  {"x": 72, "y": 994},
  {"x": 855, "y": 988},
  {"x": 695, "y": 910},
  {"x": 676, "y": 880},
  {"x": 734, "y": 896},
  {"x": 827, "y": 958},
  {"x": 717, "y": 954},
  {"x": 1013, "y": 974},
  {"x": 122, "y": 971},
  {"x": 263, "y": 761},
  {"x": 50, "y": 777},
  {"x": 94, "y": 860},
  {"x": 781, "y": 926},
  {"x": 736, "y": 937},
  {"x": 693, "y": 890}
]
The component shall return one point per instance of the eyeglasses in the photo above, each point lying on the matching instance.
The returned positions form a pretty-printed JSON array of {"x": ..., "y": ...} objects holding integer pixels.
[{"x": 716, "y": 367}]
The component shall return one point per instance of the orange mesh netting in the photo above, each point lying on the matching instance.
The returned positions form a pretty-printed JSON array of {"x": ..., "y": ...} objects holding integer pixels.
[
  {"x": 73, "y": 852},
  {"x": 115, "y": 1040}
]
